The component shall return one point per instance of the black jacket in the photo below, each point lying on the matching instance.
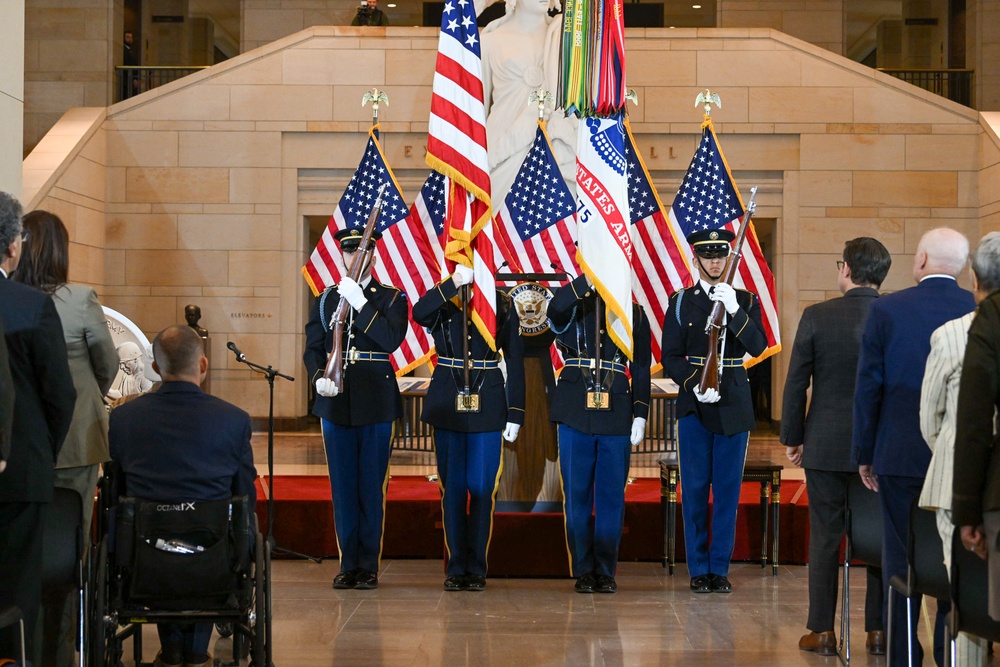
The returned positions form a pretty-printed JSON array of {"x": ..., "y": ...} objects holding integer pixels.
[
  {"x": 571, "y": 312},
  {"x": 371, "y": 394},
  {"x": 44, "y": 396},
  {"x": 498, "y": 405},
  {"x": 976, "y": 482},
  {"x": 825, "y": 354},
  {"x": 684, "y": 336}
]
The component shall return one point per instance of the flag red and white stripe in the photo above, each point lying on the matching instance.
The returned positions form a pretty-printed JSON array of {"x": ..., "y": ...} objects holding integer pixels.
[{"x": 456, "y": 147}]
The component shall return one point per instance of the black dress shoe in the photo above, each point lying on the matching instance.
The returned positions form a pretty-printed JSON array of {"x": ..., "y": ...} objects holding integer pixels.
[
  {"x": 366, "y": 580},
  {"x": 701, "y": 584},
  {"x": 605, "y": 584},
  {"x": 345, "y": 579},
  {"x": 720, "y": 584},
  {"x": 473, "y": 582},
  {"x": 586, "y": 584},
  {"x": 456, "y": 582}
]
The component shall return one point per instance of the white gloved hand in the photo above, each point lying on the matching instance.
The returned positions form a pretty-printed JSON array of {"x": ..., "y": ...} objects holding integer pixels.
[
  {"x": 462, "y": 276},
  {"x": 353, "y": 292},
  {"x": 727, "y": 295},
  {"x": 710, "y": 395},
  {"x": 638, "y": 431},
  {"x": 326, "y": 387},
  {"x": 510, "y": 431}
]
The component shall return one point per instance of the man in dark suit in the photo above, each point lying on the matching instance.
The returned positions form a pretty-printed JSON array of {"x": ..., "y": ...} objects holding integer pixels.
[
  {"x": 6, "y": 402},
  {"x": 179, "y": 444},
  {"x": 357, "y": 420},
  {"x": 713, "y": 429},
  {"x": 825, "y": 354},
  {"x": 467, "y": 434},
  {"x": 976, "y": 482},
  {"x": 43, "y": 408},
  {"x": 887, "y": 446},
  {"x": 600, "y": 418}
]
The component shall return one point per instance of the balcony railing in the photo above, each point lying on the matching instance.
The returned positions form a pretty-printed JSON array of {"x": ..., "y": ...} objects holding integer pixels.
[
  {"x": 130, "y": 81},
  {"x": 954, "y": 84}
]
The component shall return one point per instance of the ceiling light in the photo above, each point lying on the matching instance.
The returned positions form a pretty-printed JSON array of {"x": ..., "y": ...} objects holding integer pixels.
[
  {"x": 391, "y": 5},
  {"x": 695, "y": 6}
]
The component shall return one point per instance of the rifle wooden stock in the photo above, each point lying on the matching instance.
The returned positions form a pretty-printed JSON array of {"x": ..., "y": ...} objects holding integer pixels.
[
  {"x": 362, "y": 258},
  {"x": 711, "y": 370}
]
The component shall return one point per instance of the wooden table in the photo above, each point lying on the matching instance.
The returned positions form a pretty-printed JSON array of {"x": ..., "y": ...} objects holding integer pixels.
[{"x": 765, "y": 472}]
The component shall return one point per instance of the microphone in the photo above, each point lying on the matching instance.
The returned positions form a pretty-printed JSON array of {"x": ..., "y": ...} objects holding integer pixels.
[{"x": 239, "y": 355}]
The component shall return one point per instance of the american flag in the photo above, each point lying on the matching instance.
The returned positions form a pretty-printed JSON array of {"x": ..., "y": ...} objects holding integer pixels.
[
  {"x": 402, "y": 252},
  {"x": 658, "y": 261},
  {"x": 708, "y": 199},
  {"x": 456, "y": 147},
  {"x": 427, "y": 213},
  {"x": 536, "y": 225}
]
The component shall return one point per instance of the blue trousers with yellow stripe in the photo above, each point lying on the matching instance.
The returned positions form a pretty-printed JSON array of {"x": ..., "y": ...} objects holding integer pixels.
[
  {"x": 594, "y": 471},
  {"x": 709, "y": 461},
  {"x": 469, "y": 475},
  {"x": 358, "y": 461}
]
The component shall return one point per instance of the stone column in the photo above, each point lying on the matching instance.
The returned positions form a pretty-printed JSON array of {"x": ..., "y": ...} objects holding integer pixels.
[{"x": 11, "y": 95}]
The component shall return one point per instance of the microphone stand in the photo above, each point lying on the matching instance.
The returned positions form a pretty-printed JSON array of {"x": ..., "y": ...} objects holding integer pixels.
[{"x": 269, "y": 373}]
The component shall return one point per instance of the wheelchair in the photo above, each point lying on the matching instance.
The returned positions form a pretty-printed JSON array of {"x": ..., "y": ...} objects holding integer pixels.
[{"x": 157, "y": 562}]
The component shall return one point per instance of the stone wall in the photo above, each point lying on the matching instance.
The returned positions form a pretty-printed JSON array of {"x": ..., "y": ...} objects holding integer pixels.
[{"x": 210, "y": 180}]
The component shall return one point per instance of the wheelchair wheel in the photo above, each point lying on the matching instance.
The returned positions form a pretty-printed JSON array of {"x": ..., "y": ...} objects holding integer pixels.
[
  {"x": 97, "y": 634},
  {"x": 268, "y": 646},
  {"x": 224, "y": 629},
  {"x": 259, "y": 649}
]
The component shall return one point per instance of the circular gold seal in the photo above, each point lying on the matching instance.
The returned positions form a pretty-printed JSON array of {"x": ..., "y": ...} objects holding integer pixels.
[{"x": 532, "y": 302}]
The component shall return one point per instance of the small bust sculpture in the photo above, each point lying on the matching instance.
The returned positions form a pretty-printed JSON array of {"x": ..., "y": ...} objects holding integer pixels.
[{"x": 192, "y": 314}]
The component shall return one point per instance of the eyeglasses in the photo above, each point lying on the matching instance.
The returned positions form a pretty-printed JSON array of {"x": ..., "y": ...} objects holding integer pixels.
[
  {"x": 840, "y": 265},
  {"x": 24, "y": 235}
]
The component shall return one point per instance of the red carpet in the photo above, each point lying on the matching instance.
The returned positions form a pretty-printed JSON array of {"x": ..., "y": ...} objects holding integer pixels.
[{"x": 523, "y": 544}]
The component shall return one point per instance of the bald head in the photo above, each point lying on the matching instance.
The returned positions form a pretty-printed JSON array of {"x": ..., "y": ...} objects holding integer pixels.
[
  {"x": 942, "y": 251},
  {"x": 179, "y": 354}
]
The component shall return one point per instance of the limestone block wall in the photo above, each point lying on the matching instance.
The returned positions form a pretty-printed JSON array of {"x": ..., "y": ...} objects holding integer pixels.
[
  {"x": 820, "y": 22},
  {"x": 210, "y": 181},
  {"x": 69, "y": 55},
  {"x": 989, "y": 174}
]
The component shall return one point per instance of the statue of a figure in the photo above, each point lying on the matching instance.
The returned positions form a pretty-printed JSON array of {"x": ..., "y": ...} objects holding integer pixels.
[
  {"x": 521, "y": 54},
  {"x": 192, "y": 314},
  {"x": 131, "y": 378}
]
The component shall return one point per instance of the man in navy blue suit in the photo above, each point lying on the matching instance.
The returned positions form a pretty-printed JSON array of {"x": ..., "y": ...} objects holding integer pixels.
[
  {"x": 891, "y": 454},
  {"x": 180, "y": 444}
]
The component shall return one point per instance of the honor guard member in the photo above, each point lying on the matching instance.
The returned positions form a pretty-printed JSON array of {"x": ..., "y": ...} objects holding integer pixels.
[
  {"x": 357, "y": 423},
  {"x": 600, "y": 417},
  {"x": 712, "y": 428},
  {"x": 467, "y": 430}
]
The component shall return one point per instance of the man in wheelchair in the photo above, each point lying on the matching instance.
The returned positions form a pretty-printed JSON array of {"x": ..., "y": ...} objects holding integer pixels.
[{"x": 177, "y": 446}]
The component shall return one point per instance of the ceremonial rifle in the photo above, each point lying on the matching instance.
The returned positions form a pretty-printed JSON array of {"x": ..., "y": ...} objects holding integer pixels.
[
  {"x": 362, "y": 259},
  {"x": 713, "y": 364}
]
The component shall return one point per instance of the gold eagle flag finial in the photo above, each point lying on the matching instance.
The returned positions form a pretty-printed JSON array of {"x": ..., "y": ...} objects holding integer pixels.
[
  {"x": 541, "y": 97},
  {"x": 376, "y": 97},
  {"x": 708, "y": 98}
]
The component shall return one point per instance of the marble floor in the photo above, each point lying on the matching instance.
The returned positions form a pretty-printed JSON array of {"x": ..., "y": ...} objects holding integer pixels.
[{"x": 652, "y": 620}]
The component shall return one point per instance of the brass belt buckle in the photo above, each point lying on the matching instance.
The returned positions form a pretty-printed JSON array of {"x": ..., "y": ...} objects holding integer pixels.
[
  {"x": 353, "y": 355},
  {"x": 466, "y": 402},
  {"x": 598, "y": 400}
]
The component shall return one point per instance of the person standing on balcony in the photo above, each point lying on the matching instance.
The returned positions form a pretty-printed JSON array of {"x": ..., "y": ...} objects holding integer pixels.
[
  {"x": 130, "y": 78},
  {"x": 370, "y": 14}
]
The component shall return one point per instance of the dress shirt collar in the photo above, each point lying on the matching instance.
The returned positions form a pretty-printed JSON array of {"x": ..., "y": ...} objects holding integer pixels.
[{"x": 937, "y": 275}]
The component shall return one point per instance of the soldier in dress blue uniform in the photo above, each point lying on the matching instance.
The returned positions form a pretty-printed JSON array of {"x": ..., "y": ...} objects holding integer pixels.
[
  {"x": 595, "y": 437},
  {"x": 712, "y": 428},
  {"x": 468, "y": 442},
  {"x": 357, "y": 424}
]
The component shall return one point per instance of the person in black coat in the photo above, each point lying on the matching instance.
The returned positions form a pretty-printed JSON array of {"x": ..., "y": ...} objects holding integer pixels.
[
  {"x": 44, "y": 399},
  {"x": 6, "y": 402},
  {"x": 825, "y": 354},
  {"x": 713, "y": 428},
  {"x": 595, "y": 438},
  {"x": 467, "y": 440},
  {"x": 357, "y": 421}
]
